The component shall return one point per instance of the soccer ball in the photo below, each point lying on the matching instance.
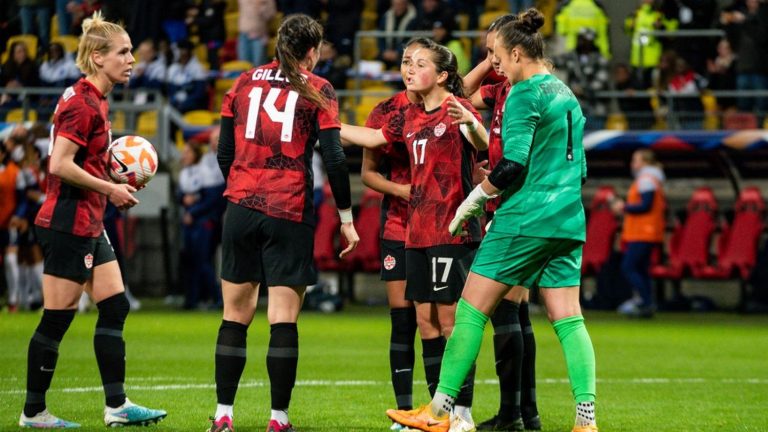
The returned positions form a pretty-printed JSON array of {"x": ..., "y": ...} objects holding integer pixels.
[{"x": 132, "y": 160}]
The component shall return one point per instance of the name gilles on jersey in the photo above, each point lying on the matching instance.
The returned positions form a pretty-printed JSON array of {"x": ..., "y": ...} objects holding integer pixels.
[{"x": 269, "y": 75}]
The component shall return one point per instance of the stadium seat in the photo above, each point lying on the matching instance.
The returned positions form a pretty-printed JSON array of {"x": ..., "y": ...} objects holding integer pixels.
[
  {"x": 368, "y": 20},
  {"x": 327, "y": 233},
  {"x": 369, "y": 50},
  {"x": 690, "y": 246},
  {"x": 739, "y": 121},
  {"x": 366, "y": 257},
  {"x": 230, "y": 23},
  {"x": 146, "y": 125},
  {"x": 69, "y": 42},
  {"x": 737, "y": 253},
  {"x": 495, "y": 6},
  {"x": 30, "y": 40},
  {"x": 617, "y": 121},
  {"x": 16, "y": 115},
  {"x": 236, "y": 66},
  {"x": 486, "y": 18},
  {"x": 118, "y": 120},
  {"x": 601, "y": 232}
]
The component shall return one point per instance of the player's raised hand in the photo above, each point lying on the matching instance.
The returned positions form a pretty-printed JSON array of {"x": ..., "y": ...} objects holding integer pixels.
[
  {"x": 460, "y": 114},
  {"x": 350, "y": 235},
  {"x": 121, "y": 195}
]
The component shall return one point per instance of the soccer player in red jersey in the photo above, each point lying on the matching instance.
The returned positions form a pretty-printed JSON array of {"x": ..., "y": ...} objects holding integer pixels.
[
  {"x": 442, "y": 136},
  {"x": 271, "y": 119},
  {"x": 513, "y": 340},
  {"x": 69, "y": 226},
  {"x": 387, "y": 170}
]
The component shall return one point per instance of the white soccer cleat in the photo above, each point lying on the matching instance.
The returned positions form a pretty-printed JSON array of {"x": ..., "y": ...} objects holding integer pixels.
[
  {"x": 45, "y": 420},
  {"x": 460, "y": 424}
]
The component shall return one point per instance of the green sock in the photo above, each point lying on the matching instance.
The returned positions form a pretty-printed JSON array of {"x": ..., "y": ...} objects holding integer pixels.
[
  {"x": 462, "y": 348},
  {"x": 579, "y": 356}
]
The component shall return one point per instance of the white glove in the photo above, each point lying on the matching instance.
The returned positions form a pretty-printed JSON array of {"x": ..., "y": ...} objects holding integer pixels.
[{"x": 472, "y": 206}]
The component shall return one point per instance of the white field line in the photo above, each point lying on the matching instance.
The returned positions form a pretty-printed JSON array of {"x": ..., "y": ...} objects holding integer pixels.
[{"x": 371, "y": 383}]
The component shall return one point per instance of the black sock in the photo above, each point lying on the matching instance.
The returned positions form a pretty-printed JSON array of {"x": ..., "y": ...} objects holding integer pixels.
[
  {"x": 528, "y": 400},
  {"x": 467, "y": 389},
  {"x": 282, "y": 360},
  {"x": 42, "y": 355},
  {"x": 109, "y": 346},
  {"x": 402, "y": 355},
  {"x": 230, "y": 360},
  {"x": 432, "y": 353},
  {"x": 508, "y": 350}
]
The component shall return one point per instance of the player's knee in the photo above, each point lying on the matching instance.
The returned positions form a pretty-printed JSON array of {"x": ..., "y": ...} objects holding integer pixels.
[{"x": 114, "y": 308}]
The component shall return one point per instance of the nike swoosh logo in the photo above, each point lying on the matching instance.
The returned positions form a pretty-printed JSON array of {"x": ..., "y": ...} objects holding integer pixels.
[
  {"x": 409, "y": 134},
  {"x": 430, "y": 422},
  {"x": 440, "y": 288},
  {"x": 123, "y": 167},
  {"x": 402, "y": 370},
  {"x": 42, "y": 368}
]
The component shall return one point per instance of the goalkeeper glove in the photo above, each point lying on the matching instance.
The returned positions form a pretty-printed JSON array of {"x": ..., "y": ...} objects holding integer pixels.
[{"x": 472, "y": 206}]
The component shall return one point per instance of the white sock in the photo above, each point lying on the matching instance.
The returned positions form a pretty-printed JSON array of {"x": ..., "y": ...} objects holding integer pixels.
[
  {"x": 281, "y": 416},
  {"x": 12, "y": 276},
  {"x": 442, "y": 404},
  {"x": 464, "y": 412},
  {"x": 585, "y": 414},
  {"x": 224, "y": 410}
]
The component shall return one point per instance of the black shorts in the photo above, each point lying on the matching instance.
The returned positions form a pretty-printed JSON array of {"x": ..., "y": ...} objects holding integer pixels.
[
  {"x": 73, "y": 257},
  {"x": 437, "y": 274},
  {"x": 263, "y": 249},
  {"x": 392, "y": 260}
]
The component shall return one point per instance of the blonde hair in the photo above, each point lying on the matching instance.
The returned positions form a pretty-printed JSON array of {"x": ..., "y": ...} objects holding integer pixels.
[
  {"x": 649, "y": 157},
  {"x": 97, "y": 36}
]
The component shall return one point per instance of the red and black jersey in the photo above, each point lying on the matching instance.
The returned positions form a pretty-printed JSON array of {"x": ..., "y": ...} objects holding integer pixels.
[
  {"x": 275, "y": 130},
  {"x": 394, "y": 165},
  {"x": 441, "y": 161},
  {"x": 494, "y": 96},
  {"x": 81, "y": 116}
]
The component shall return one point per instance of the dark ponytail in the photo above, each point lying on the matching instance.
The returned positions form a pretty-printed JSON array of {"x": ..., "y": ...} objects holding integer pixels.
[
  {"x": 445, "y": 61},
  {"x": 524, "y": 32},
  {"x": 296, "y": 36}
]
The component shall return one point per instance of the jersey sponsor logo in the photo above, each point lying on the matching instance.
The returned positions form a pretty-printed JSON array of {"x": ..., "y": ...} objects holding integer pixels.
[
  {"x": 389, "y": 262},
  {"x": 440, "y": 288},
  {"x": 88, "y": 260},
  {"x": 440, "y": 129}
]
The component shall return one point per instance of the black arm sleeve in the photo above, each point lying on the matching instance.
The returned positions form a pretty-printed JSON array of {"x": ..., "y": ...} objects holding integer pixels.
[
  {"x": 226, "y": 153},
  {"x": 336, "y": 167},
  {"x": 505, "y": 173}
]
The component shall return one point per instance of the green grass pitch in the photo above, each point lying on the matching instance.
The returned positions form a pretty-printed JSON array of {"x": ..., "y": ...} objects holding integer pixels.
[{"x": 674, "y": 373}]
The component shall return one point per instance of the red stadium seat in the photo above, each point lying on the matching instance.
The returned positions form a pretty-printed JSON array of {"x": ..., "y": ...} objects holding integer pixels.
[
  {"x": 327, "y": 233},
  {"x": 739, "y": 121},
  {"x": 689, "y": 248},
  {"x": 738, "y": 251},
  {"x": 366, "y": 257},
  {"x": 601, "y": 232}
]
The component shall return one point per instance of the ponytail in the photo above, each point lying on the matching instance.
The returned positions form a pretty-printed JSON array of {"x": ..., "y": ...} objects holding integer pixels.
[{"x": 296, "y": 36}]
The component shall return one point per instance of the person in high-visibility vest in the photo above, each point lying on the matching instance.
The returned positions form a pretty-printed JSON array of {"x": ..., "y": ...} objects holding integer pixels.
[{"x": 644, "y": 224}]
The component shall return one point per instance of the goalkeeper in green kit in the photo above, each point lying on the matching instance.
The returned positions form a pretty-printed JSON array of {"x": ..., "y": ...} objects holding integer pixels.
[{"x": 537, "y": 233}]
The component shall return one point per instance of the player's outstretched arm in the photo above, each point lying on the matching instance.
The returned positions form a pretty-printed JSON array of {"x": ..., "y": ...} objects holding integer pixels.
[
  {"x": 62, "y": 164},
  {"x": 362, "y": 136},
  {"x": 375, "y": 180}
]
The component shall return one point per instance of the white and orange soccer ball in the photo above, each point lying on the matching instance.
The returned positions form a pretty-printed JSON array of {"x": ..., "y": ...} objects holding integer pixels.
[{"x": 132, "y": 160}]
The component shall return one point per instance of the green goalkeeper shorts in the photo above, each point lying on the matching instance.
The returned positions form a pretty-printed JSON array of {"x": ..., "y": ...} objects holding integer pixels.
[{"x": 519, "y": 260}]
